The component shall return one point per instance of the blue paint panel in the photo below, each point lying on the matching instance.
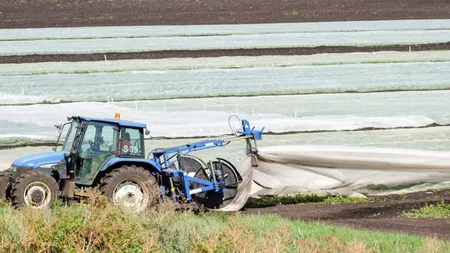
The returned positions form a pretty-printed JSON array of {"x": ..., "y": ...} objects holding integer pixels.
[
  {"x": 115, "y": 160},
  {"x": 123, "y": 123},
  {"x": 36, "y": 160}
]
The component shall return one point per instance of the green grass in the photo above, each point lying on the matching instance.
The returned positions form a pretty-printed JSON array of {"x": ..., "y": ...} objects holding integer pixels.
[
  {"x": 382, "y": 187},
  {"x": 342, "y": 200},
  {"x": 269, "y": 200},
  {"x": 441, "y": 210},
  {"x": 99, "y": 227}
]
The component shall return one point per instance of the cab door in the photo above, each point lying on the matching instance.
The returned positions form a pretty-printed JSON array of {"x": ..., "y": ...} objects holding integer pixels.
[{"x": 99, "y": 144}]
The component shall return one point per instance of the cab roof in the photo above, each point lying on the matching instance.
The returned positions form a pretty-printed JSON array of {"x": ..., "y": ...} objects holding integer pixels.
[{"x": 119, "y": 122}]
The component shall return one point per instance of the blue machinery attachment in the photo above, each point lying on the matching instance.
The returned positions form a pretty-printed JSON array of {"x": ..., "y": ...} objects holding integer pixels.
[{"x": 210, "y": 181}]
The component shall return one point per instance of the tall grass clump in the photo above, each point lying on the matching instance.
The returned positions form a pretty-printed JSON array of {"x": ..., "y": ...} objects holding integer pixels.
[{"x": 97, "y": 226}]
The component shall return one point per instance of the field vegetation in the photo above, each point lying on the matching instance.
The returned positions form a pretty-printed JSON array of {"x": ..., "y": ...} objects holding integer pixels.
[
  {"x": 438, "y": 211},
  {"x": 97, "y": 226}
]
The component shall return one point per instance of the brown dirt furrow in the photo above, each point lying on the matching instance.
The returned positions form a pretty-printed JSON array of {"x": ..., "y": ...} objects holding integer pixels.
[
  {"x": 65, "y": 13},
  {"x": 218, "y": 53},
  {"x": 381, "y": 213}
]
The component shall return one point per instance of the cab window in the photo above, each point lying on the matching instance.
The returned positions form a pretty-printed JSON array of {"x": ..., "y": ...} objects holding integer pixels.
[{"x": 131, "y": 142}]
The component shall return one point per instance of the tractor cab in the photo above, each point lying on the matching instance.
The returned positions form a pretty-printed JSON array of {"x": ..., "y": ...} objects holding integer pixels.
[{"x": 91, "y": 142}]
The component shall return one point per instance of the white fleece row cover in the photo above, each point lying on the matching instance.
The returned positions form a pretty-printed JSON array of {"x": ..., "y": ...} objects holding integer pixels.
[{"x": 315, "y": 168}]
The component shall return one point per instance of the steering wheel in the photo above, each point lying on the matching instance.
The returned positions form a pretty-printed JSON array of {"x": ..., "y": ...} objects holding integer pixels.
[{"x": 91, "y": 144}]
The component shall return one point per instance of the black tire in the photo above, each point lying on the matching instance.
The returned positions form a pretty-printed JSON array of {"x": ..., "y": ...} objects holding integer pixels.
[
  {"x": 5, "y": 185},
  {"x": 140, "y": 181},
  {"x": 35, "y": 189}
]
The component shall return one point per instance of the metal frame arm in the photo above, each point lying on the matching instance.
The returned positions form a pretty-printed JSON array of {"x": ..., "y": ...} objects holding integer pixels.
[{"x": 169, "y": 153}]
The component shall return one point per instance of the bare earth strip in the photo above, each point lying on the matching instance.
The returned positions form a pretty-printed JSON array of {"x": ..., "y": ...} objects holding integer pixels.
[
  {"x": 224, "y": 62},
  {"x": 65, "y": 13},
  {"x": 219, "y": 53},
  {"x": 382, "y": 214}
]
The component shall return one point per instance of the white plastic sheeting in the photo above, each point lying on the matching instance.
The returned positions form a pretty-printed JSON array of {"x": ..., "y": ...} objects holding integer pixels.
[
  {"x": 244, "y": 189},
  {"x": 246, "y": 41},
  {"x": 231, "y": 82},
  {"x": 307, "y": 168},
  {"x": 235, "y": 29},
  {"x": 205, "y": 117}
]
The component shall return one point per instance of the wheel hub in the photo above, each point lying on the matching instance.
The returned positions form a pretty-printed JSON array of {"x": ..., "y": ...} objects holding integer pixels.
[
  {"x": 129, "y": 194},
  {"x": 37, "y": 195}
]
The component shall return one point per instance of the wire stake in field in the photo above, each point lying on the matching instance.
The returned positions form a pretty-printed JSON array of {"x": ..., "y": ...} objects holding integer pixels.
[{"x": 135, "y": 105}]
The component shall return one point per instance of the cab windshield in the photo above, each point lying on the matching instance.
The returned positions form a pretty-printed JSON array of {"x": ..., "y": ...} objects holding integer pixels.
[{"x": 70, "y": 136}]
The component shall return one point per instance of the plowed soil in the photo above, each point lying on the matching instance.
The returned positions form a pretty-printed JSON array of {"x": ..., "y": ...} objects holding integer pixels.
[
  {"x": 380, "y": 213},
  {"x": 70, "y": 13},
  {"x": 64, "y": 13},
  {"x": 218, "y": 53}
]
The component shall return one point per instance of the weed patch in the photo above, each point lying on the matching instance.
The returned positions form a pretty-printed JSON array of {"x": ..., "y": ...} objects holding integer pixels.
[
  {"x": 441, "y": 210},
  {"x": 270, "y": 200}
]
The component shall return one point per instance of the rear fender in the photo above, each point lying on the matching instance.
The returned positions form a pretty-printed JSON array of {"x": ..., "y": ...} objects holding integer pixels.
[{"x": 116, "y": 162}]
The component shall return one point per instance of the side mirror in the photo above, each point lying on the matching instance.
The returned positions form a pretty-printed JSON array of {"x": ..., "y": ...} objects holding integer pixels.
[{"x": 147, "y": 132}]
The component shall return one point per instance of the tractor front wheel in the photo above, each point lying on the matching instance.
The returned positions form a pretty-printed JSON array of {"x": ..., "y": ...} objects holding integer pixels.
[
  {"x": 132, "y": 187},
  {"x": 5, "y": 185},
  {"x": 35, "y": 189}
]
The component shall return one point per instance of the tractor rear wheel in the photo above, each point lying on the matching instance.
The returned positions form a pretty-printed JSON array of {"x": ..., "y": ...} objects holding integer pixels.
[
  {"x": 35, "y": 189},
  {"x": 132, "y": 187},
  {"x": 5, "y": 185}
]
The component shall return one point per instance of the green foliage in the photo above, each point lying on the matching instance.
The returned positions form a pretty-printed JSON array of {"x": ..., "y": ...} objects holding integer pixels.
[
  {"x": 100, "y": 227},
  {"x": 382, "y": 187},
  {"x": 341, "y": 199},
  {"x": 270, "y": 200},
  {"x": 441, "y": 210},
  {"x": 82, "y": 72}
]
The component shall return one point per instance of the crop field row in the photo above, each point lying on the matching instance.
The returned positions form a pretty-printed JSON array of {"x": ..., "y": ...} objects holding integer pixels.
[
  {"x": 224, "y": 30},
  {"x": 224, "y": 62},
  {"x": 284, "y": 40},
  {"x": 140, "y": 85},
  {"x": 293, "y": 113}
]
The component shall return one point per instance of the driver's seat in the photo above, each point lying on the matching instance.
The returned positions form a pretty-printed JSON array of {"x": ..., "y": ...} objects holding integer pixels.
[{"x": 126, "y": 142}]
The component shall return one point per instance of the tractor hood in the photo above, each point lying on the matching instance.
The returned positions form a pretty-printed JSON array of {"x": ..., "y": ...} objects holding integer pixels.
[{"x": 39, "y": 160}]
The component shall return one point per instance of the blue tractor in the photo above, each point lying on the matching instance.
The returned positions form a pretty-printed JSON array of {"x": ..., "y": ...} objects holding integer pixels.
[{"x": 109, "y": 155}]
